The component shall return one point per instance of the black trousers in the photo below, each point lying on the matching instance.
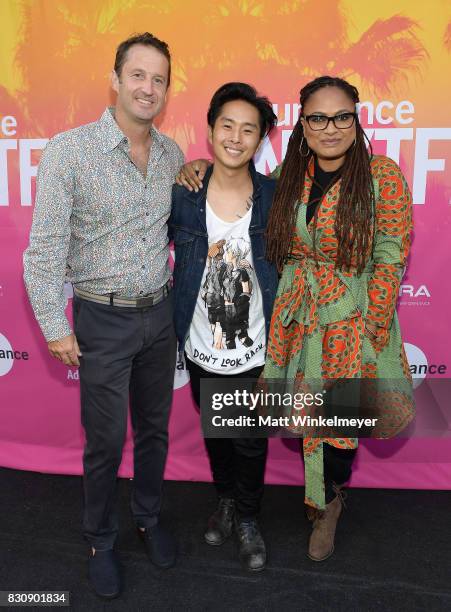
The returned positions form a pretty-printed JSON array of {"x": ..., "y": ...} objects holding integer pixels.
[
  {"x": 128, "y": 357},
  {"x": 337, "y": 467},
  {"x": 237, "y": 464}
]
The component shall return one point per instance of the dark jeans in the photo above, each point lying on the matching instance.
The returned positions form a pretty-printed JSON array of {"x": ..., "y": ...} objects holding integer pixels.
[
  {"x": 128, "y": 356},
  {"x": 337, "y": 467},
  {"x": 238, "y": 464}
]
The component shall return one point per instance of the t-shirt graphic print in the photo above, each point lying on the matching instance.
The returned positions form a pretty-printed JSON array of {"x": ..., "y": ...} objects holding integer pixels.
[{"x": 227, "y": 333}]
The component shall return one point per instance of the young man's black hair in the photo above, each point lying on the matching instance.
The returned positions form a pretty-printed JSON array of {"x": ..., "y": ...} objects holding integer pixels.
[{"x": 242, "y": 91}]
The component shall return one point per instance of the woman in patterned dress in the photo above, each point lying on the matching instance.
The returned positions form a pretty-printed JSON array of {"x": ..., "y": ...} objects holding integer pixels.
[{"x": 339, "y": 232}]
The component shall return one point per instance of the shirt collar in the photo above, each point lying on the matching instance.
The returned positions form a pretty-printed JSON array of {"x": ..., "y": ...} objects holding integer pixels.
[{"x": 111, "y": 134}]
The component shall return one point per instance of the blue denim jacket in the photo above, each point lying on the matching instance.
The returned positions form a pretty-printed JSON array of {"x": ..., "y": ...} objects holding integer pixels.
[{"x": 188, "y": 228}]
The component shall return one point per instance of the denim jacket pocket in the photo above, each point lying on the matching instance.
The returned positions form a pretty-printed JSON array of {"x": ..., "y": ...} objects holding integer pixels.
[{"x": 184, "y": 243}]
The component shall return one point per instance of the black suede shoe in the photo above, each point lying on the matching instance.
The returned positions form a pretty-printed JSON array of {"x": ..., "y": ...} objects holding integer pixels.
[
  {"x": 252, "y": 550},
  {"x": 104, "y": 574},
  {"x": 161, "y": 546},
  {"x": 220, "y": 522}
]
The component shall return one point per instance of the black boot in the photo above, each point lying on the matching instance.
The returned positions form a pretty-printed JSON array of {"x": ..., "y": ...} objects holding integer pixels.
[
  {"x": 220, "y": 522},
  {"x": 161, "y": 546},
  {"x": 104, "y": 574},
  {"x": 252, "y": 550}
]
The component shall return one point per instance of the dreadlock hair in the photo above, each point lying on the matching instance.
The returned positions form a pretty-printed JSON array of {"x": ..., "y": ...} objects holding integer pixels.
[{"x": 354, "y": 221}]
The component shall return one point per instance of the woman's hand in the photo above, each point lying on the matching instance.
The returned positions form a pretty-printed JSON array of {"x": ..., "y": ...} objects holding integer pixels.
[
  {"x": 378, "y": 336},
  {"x": 191, "y": 174}
]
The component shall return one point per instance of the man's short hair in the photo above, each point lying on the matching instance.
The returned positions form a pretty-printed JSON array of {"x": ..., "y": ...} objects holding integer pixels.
[
  {"x": 141, "y": 39},
  {"x": 243, "y": 91}
]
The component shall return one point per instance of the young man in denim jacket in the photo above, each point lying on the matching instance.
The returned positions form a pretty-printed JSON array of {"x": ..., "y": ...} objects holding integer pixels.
[{"x": 224, "y": 293}]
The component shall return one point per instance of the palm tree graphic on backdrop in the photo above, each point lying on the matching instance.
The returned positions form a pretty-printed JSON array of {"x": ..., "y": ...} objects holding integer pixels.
[
  {"x": 447, "y": 37},
  {"x": 65, "y": 58}
]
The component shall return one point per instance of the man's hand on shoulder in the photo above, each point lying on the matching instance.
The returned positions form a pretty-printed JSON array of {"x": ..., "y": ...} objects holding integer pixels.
[
  {"x": 192, "y": 173},
  {"x": 65, "y": 350}
]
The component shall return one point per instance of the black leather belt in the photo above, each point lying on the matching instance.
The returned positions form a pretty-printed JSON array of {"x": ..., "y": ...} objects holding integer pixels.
[{"x": 145, "y": 301}]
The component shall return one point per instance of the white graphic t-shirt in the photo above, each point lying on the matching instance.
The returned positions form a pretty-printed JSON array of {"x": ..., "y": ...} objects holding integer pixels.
[{"x": 227, "y": 333}]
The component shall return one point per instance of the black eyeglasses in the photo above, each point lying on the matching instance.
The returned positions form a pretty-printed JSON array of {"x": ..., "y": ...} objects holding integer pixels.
[{"x": 343, "y": 121}]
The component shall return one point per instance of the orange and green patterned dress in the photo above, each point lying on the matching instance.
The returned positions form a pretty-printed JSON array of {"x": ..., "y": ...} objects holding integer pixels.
[{"x": 318, "y": 322}]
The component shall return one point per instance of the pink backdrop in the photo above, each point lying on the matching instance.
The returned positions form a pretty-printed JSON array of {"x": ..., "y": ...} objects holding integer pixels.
[{"x": 403, "y": 84}]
